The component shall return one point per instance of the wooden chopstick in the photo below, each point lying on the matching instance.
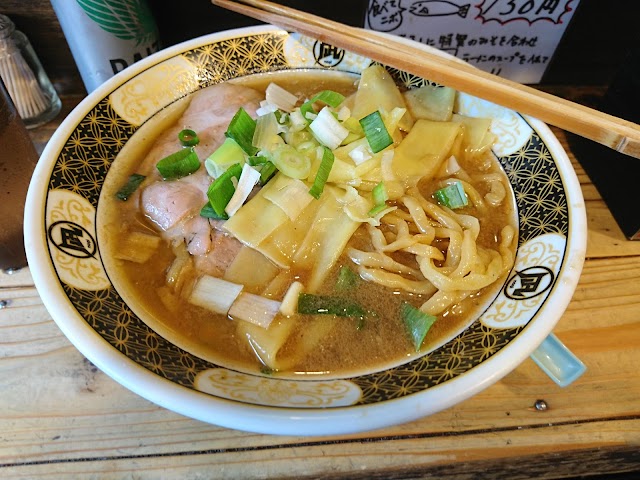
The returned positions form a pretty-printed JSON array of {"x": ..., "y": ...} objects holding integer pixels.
[{"x": 614, "y": 132}]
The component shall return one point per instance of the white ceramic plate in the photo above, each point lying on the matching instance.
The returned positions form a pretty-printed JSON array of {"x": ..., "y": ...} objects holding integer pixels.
[{"x": 64, "y": 257}]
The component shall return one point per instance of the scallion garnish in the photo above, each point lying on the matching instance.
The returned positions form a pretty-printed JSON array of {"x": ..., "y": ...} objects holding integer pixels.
[
  {"x": 417, "y": 323},
  {"x": 306, "y": 108},
  {"x": 207, "y": 211},
  {"x": 347, "y": 279},
  {"x": 267, "y": 171},
  {"x": 222, "y": 189},
  {"x": 188, "y": 138},
  {"x": 130, "y": 187},
  {"x": 179, "y": 164},
  {"x": 380, "y": 197},
  {"x": 291, "y": 162},
  {"x": 376, "y": 132},
  {"x": 452, "y": 196},
  {"x": 323, "y": 173},
  {"x": 379, "y": 193},
  {"x": 257, "y": 160},
  {"x": 310, "y": 304},
  {"x": 331, "y": 98},
  {"x": 227, "y": 154},
  {"x": 241, "y": 129}
]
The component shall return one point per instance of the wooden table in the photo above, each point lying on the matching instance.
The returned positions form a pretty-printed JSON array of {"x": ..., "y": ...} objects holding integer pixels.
[{"x": 60, "y": 417}]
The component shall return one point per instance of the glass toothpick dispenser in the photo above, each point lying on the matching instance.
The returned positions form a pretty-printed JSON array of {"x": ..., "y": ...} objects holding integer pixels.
[{"x": 27, "y": 83}]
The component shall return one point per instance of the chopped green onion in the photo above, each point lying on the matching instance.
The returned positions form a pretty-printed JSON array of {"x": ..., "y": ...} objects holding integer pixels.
[
  {"x": 130, "y": 187},
  {"x": 380, "y": 195},
  {"x": 241, "y": 129},
  {"x": 207, "y": 211},
  {"x": 452, "y": 196},
  {"x": 377, "y": 209},
  {"x": 180, "y": 164},
  {"x": 227, "y": 154},
  {"x": 347, "y": 279},
  {"x": 266, "y": 172},
  {"x": 222, "y": 189},
  {"x": 417, "y": 323},
  {"x": 306, "y": 108},
  {"x": 375, "y": 131},
  {"x": 310, "y": 304},
  {"x": 331, "y": 98},
  {"x": 291, "y": 162},
  {"x": 323, "y": 173},
  {"x": 257, "y": 160},
  {"x": 327, "y": 129},
  {"x": 188, "y": 138}
]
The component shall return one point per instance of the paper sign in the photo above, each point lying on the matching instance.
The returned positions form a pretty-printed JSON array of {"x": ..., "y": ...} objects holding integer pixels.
[{"x": 511, "y": 38}]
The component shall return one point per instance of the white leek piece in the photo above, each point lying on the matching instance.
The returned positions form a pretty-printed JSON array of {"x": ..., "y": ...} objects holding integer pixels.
[
  {"x": 328, "y": 130},
  {"x": 215, "y": 294},
  {"x": 254, "y": 309},
  {"x": 248, "y": 179},
  {"x": 281, "y": 98},
  {"x": 289, "y": 305},
  {"x": 361, "y": 154}
]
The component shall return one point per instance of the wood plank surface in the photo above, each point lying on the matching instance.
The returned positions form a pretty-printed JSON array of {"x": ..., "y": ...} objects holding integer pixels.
[{"x": 61, "y": 417}]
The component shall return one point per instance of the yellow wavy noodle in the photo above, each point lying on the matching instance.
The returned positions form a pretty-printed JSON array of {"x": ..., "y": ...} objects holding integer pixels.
[{"x": 444, "y": 245}]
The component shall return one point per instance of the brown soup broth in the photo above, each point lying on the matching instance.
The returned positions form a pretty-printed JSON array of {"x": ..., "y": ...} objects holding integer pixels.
[{"x": 351, "y": 346}]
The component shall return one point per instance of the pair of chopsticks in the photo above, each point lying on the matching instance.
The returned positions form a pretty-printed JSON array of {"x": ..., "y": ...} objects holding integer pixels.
[{"x": 600, "y": 127}]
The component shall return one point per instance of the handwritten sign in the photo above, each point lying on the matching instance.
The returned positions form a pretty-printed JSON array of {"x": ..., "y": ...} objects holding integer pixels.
[{"x": 511, "y": 38}]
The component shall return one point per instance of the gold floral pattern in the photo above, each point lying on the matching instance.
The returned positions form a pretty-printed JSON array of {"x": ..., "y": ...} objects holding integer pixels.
[{"x": 85, "y": 160}]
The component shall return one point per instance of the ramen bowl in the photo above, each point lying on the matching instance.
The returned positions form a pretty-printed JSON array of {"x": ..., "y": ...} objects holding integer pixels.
[{"x": 74, "y": 281}]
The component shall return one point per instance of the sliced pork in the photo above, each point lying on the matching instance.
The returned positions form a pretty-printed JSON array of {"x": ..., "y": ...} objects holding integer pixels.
[{"x": 174, "y": 205}]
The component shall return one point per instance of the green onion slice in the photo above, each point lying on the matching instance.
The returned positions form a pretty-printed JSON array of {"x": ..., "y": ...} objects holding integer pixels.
[
  {"x": 452, "y": 196},
  {"x": 130, "y": 187},
  {"x": 291, "y": 162},
  {"x": 417, "y": 323},
  {"x": 323, "y": 173},
  {"x": 377, "y": 209},
  {"x": 257, "y": 160},
  {"x": 310, "y": 304},
  {"x": 380, "y": 195},
  {"x": 267, "y": 171},
  {"x": 331, "y": 98},
  {"x": 347, "y": 279},
  {"x": 188, "y": 138},
  {"x": 222, "y": 189},
  {"x": 376, "y": 132},
  {"x": 179, "y": 164},
  {"x": 307, "y": 107},
  {"x": 207, "y": 211},
  {"x": 227, "y": 154},
  {"x": 241, "y": 129}
]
